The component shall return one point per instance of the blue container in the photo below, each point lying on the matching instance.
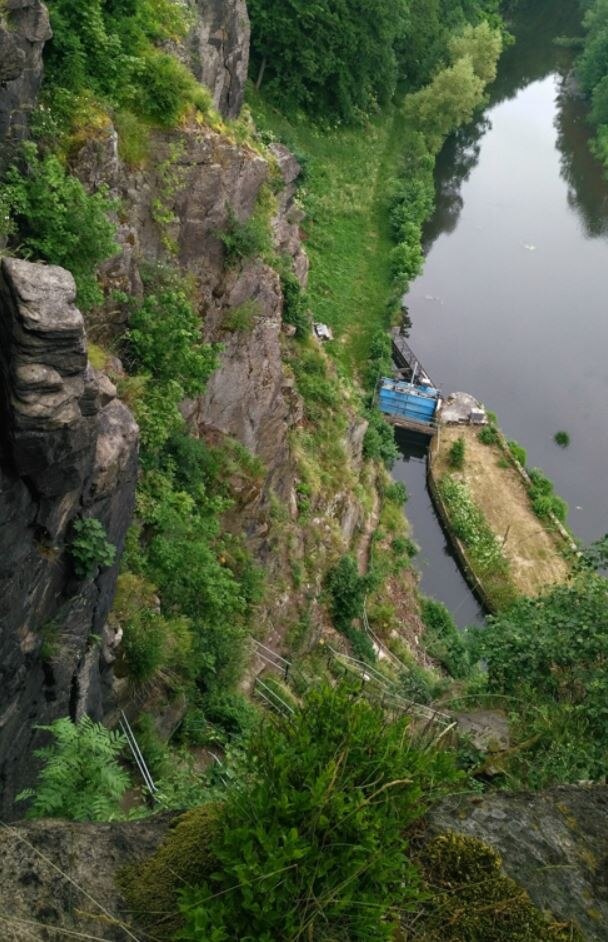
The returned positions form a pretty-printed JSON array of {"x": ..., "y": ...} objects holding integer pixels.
[{"x": 409, "y": 402}]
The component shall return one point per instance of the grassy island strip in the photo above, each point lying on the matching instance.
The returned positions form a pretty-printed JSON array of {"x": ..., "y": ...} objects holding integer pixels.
[{"x": 506, "y": 547}]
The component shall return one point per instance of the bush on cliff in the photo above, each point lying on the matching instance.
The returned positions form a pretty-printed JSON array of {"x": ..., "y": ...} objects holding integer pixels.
[
  {"x": 53, "y": 218},
  {"x": 548, "y": 655},
  {"x": 313, "y": 844}
]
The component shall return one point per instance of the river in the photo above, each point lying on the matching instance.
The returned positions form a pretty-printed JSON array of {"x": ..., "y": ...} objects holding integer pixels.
[{"x": 513, "y": 304}]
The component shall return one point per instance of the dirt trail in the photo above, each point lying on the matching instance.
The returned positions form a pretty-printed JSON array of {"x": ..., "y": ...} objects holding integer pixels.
[{"x": 533, "y": 551}]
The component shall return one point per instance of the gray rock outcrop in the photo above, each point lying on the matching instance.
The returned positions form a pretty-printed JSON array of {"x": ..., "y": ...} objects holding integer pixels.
[
  {"x": 553, "y": 843},
  {"x": 24, "y": 29},
  {"x": 219, "y": 51},
  {"x": 58, "y": 875},
  {"x": 68, "y": 448}
]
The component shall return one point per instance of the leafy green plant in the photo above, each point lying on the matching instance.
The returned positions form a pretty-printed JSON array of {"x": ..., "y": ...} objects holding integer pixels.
[
  {"x": 81, "y": 778},
  {"x": 165, "y": 335},
  {"x": 248, "y": 239},
  {"x": 488, "y": 435},
  {"x": 361, "y": 645},
  {"x": 562, "y": 439},
  {"x": 544, "y": 501},
  {"x": 316, "y": 842},
  {"x": 379, "y": 441},
  {"x": 241, "y": 318},
  {"x": 295, "y": 305},
  {"x": 457, "y": 454},
  {"x": 443, "y": 640},
  {"x": 56, "y": 220},
  {"x": 347, "y": 591},
  {"x": 548, "y": 654},
  {"x": 518, "y": 452},
  {"x": 470, "y": 526},
  {"x": 90, "y": 548}
]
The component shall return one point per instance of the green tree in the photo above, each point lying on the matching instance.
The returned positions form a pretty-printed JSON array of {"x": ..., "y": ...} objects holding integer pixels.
[
  {"x": 335, "y": 59},
  {"x": 448, "y": 102}
]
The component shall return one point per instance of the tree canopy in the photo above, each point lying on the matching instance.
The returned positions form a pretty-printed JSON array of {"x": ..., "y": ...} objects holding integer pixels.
[{"x": 340, "y": 59}]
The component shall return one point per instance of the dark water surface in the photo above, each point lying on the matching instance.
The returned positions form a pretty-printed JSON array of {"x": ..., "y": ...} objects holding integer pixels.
[{"x": 513, "y": 302}]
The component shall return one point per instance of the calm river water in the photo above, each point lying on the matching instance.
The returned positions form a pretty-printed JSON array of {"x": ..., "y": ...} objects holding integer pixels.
[{"x": 513, "y": 302}]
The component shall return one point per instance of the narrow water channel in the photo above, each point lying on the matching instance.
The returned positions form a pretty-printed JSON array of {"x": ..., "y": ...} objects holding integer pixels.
[{"x": 513, "y": 305}]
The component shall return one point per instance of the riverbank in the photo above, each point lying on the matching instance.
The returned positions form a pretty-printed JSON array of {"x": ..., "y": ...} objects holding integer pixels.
[{"x": 530, "y": 553}]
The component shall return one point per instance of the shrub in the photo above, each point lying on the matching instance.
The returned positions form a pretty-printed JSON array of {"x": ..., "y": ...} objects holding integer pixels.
[
  {"x": 544, "y": 501},
  {"x": 57, "y": 221},
  {"x": 347, "y": 591},
  {"x": 233, "y": 712},
  {"x": 443, "y": 640},
  {"x": 396, "y": 493},
  {"x": 143, "y": 645},
  {"x": 244, "y": 240},
  {"x": 334, "y": 784},
  {"x": 361, "y": 645},
  {"x": 379, "y": 442},
  {"x": 549, "y": 655},
  {"x": 241, "y": 318},
  {"x": 403, "y": 546},
  {"x": 165, "y": 336},
  {"x": 163, "y": 88},
  {"x": 519, "y": 453},
  {"x": 81, "y": 779},
  {"x": 488, "y": 435},
  {"x": 540, "y": 483},
  {"x": 457, "y": 453},
  {"x": 562, "y": 439},
  {"x": 90, "y": 548},
  {"x": 295, "y": 305}
]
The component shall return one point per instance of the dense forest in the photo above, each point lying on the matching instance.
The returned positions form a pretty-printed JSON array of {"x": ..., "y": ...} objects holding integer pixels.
[
  {"x": 593, "y": 71},
  {"x": 311, "y": 827}
]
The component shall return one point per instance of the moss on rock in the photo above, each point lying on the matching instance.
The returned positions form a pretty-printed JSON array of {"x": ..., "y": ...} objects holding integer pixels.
[
  {"x": 470, "y": 899},
  {"x": 151, "y": 888}
]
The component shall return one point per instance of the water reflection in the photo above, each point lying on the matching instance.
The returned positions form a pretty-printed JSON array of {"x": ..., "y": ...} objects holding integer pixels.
[
  {"x": 531, "y": 58},
  {"x": 587, "y": 191}
]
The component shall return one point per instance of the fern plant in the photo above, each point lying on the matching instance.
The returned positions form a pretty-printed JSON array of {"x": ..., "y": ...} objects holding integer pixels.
[{"x": 81, "y": 778}]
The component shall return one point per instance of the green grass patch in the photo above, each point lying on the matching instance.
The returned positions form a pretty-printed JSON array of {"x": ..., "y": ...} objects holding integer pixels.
[{"x": 348, "y": 176}]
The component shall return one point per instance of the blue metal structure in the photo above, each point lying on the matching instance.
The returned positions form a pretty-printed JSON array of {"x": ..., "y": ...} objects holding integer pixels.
[{"x": 409, "y": 404}]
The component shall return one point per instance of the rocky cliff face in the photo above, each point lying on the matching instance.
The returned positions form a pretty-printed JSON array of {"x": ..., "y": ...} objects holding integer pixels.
[
  {"x": 219, "y": 51},
  {"x": 24, "y": 29},
  {"x": 554, "y": 843},
  {"x": 68, "y": 449}
]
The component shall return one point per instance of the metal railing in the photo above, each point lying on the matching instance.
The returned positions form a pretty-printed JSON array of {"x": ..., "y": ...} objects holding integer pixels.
[{"x": 137, "y": 755}]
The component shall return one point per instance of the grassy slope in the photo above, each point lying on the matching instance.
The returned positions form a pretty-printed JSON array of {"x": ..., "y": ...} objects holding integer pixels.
[{"x": 349, "y": 172}]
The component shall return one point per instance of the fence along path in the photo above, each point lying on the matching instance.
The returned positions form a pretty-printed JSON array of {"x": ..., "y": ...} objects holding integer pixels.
[{"x": 373, "y": 683}]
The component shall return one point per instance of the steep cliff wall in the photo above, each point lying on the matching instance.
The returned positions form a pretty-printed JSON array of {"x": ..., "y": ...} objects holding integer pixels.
[
  {"x": 68, "y": 448},
  {"x": 219, "y": 50},
  {"x": 24, "y": 29}
]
